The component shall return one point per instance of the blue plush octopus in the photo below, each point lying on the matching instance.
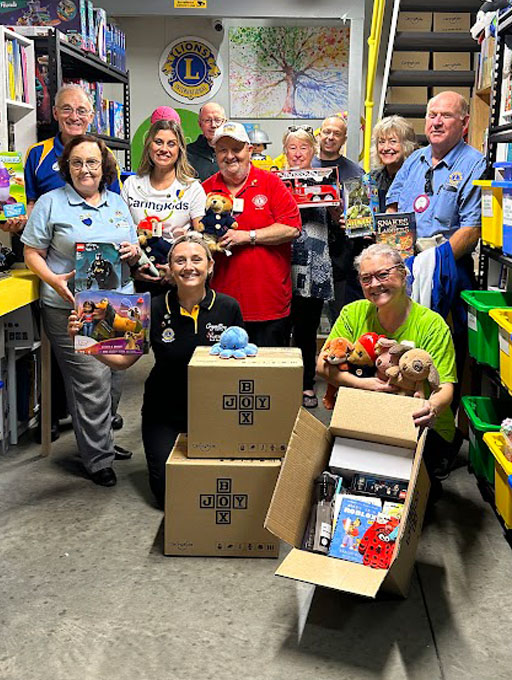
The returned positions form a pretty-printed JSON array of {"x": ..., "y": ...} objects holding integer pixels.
[{"x": 234, "y": 342}]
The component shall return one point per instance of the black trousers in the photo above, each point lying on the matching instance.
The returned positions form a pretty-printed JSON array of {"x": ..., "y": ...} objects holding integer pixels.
[
  {"x": 275, "y": 333},
  {"x": 305, "y": 319},
  {"x": 158, "y": 439}
]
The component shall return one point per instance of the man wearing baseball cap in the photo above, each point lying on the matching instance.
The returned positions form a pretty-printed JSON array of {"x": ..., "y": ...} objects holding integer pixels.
[{"x": 258, "y": 272}]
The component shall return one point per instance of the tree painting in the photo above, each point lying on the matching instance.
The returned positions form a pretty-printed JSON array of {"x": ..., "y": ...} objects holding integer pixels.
[{"x": 288, "y": 72}]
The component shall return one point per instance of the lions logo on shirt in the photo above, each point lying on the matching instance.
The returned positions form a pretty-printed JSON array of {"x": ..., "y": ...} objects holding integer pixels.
[
  {"x": 455, "y": 179},
  {"x": 168, "y": 335}
]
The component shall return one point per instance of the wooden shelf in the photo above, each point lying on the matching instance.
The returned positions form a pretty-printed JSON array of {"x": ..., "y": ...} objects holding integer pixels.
[{"x": 406, "y": 110}]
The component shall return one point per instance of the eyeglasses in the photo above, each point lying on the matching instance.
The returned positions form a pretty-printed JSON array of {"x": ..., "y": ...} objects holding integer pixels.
[
  {"x": 381, "y": 276},
  {"x": 213, "y": 121},
  {"x": 429, "y": 176},
  {"x": 81, "y": 111},
  {"x": 78, "y": 163},
  {"x": 296, "y": 128}
]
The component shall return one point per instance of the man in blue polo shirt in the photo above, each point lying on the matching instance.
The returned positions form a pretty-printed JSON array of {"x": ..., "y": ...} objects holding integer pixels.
[{"x": 436, "y": 183}]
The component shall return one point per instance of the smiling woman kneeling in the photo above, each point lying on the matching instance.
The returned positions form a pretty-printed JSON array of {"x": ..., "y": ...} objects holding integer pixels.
[
  {"x": 188, "y": 315},
  {"x": 387, "y": 310}
]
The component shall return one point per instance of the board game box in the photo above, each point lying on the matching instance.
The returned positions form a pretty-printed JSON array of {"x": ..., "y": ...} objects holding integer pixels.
[{"x": 397, "y": 230}]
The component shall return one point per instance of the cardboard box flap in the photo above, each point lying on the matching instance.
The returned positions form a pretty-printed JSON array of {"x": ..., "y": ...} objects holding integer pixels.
[
  {"x": 306, "y": 458},
  {"x": 375, "y": 417},
  {"x": 332, "y": 573}
]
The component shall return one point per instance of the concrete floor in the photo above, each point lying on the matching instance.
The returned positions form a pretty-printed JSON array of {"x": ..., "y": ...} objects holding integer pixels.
[{"x": 86, "y": 594}]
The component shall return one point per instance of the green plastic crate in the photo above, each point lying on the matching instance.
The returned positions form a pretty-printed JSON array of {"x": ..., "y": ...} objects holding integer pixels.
[
  {"x": 482, "y": 330},
  {"x": 485, "y": 415}
]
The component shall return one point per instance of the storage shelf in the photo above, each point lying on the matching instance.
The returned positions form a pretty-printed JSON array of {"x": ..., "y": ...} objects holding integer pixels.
[
  {"x": 407, "y": 110},
  {"x": 113, "y": 142},
  {"x": 497, "y": 255},
  {"x": 17, "y": 110},
  {"x": 418, "y": 41},
  {"x": 452, "y": 6},
  {"x": 18, "y": 290},
  {"x": 432, "y": 78}
]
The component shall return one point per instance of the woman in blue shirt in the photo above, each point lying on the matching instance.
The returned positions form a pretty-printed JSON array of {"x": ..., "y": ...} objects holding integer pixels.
[{"x": 81, "y": 211}]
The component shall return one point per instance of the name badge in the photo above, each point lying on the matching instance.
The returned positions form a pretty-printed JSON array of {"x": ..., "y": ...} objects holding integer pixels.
[{"x": 238, "y": 205}]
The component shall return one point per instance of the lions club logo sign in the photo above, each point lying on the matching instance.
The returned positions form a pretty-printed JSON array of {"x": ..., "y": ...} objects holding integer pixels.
[{"x": 190, "y": 69}]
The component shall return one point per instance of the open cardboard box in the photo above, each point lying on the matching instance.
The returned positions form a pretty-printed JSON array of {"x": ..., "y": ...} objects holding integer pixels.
[{"x": 359, "y": 415}]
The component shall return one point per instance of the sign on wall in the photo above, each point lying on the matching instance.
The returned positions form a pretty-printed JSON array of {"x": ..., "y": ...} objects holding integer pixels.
[
  {"x": 288, "y": 71},
  {"x": 190, "y": 70}
]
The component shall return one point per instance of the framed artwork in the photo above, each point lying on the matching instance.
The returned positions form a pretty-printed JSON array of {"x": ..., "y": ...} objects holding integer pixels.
[{"x": 288, "y": 72}]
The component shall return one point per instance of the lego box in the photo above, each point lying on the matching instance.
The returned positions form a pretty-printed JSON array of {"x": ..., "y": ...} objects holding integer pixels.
[
  {"x": 243, "y": 408},
  {"x": 61, "y": 14},
  {"x": 217, "y": 507}
]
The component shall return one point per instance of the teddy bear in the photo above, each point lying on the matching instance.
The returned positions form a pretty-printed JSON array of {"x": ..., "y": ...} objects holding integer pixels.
[
  {"x": 384, "y": 358},
  {"x": 414, "y": 367},
  {"x": 217, "y": 220},
  {"x": 234, "y": 342},
  {"x": 155, "y": 249},
  {"x": 335, "y": 352},
  {"x": 363, "y": 356}
]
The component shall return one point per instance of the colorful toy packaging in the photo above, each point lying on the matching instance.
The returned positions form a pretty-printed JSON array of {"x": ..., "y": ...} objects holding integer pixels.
[
  {"x": 355, "y": 517},
  {"x": 397, "y": 230},
  {"x": 313, "y": 187},
  {"x": 112, "y": 323},
  {"x": 13, "y": 199},
  {"x": 61, "y": 14},
  {"x": 506, "y": 431},
  {"x": 98, "y": 266},
  {"x": 361, "y": 203}
]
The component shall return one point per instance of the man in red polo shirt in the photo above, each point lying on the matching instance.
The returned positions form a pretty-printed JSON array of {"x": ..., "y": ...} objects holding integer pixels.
[{"x": 257, "y": 273}]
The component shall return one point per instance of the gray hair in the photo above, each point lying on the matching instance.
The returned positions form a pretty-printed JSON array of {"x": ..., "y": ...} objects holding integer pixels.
[
  {"x": 393, "y": 125},
  {"x": 379, "y": 250},
  {"x": 71, "y": 87}
]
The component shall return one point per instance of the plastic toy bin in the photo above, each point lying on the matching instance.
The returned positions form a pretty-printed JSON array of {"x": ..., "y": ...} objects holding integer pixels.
[
  {"x": 502, "y": 477},
  {"x": 492, "y": 215},
  {"x": 485, "y": 414},
  {"x": 482, "y": 331},
  {"x": 503, "y": 318}
]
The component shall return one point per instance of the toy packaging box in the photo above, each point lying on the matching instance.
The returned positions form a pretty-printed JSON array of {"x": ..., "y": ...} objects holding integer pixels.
[
  {"x": 360, "y": 204},
  {"x": 397, "y": 230},
  {"x": 112, "y": 323},
  {"x": 61, "y": 14},
  {"x": 354, "y": 518},
  {"x": 365, "y": 418},
  {"x": 217, "y": 507},
  {"x": 13, "y": 199},
  {"x": 98, "y": 266},
  {"x": 313, "y": 187}
]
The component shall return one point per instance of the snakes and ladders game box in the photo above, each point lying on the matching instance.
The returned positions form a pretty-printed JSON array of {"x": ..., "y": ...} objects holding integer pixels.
[
  {"x": 112, "y": 323},
  {"x": 216, "y": 508},
  {"x": 313, "y": 187},
  {"x": 397, "y": 230},
  {"x": 364, "y": 421},
  {"x": 243, "y": 408},
  {"x": 98, "y": 266}
]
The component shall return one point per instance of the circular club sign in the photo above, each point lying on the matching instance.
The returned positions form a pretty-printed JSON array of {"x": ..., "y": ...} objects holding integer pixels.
[{"x": 190, "y": 70}]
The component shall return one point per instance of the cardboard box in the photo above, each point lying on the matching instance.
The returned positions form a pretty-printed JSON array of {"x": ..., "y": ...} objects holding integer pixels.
[
  {"x": 414, "y": 21},
  {"x": 407, "y": 95},
  {"x": 452, "y": 61},
  {"x": 410, "y": 61},
  {"x": 418, "y": 125},
  {"x": 243, "y": 408},
  {"x": 362, "y": 416},
  {"x": 217, "y": 507},
  {"x": 464, "y": 91},
  {"x": 456, "y": 22}
]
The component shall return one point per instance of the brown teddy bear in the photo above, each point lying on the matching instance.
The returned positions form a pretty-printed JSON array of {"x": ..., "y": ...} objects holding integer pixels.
[
  {"x": 414, "y": 367},
  {"x": 217, "y": 220}
]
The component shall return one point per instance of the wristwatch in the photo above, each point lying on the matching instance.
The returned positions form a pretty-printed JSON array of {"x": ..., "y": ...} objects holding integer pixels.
[{"x": 252, "y": 236}]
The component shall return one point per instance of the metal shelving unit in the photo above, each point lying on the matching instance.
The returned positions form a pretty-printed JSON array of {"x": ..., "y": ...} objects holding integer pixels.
[{"x": 67, "y": 61}]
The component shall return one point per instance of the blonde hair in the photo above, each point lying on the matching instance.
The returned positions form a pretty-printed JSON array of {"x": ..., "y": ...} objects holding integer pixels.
[
  {"x": 185, "y": 173},
  {"x": 303, "y": 135},
  {"x": 192, "y": 237},
  {"x": 393, "y": 125}
]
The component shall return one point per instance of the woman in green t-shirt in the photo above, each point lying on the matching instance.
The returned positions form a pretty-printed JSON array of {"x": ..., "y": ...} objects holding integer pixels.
[{"x": 388, "y": 310}]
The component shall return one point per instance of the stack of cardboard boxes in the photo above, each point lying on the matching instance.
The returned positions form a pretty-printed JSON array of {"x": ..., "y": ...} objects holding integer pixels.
[
  {"x": 424, "y": 22},
  {"x": 220, "y": 478}
]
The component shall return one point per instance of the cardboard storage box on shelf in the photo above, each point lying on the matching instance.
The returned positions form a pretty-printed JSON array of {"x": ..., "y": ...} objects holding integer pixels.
[
  {"x": 410, "y": 61},
  {"x": 360, "y": 416},
  {"x": 243, "y": 408},
  {"x": 217, "y": 507},
  {"x": 452, "y": 61},
  {"x": 418, "y": 125},
  {"x": 414, "y": 21},
  {"x": 463, "y": 91},
  {"x": 452, "y": 22},
  {"x": 407, "y": 95}
]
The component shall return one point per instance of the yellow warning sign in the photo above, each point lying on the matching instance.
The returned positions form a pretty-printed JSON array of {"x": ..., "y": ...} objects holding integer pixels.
[{"x": 190, "y": 4}]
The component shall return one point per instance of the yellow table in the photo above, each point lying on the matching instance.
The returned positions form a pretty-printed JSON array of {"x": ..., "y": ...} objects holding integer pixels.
[{"x": 18, "y": 290}]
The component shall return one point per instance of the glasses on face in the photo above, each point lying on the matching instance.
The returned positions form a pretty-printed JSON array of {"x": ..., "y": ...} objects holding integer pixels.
[
  {"x": 381, "y": 276},
  {"x": 296, "y": 128},
  {"x": 429, "y": 176},
  {"x": 213, "y": 121},
  {"x": 81, "y": 111},
  {"x": 78, "y": 163}
]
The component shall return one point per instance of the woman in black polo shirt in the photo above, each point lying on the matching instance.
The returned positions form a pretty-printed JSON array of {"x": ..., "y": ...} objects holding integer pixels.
[{"x": 188, "y": 315}]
